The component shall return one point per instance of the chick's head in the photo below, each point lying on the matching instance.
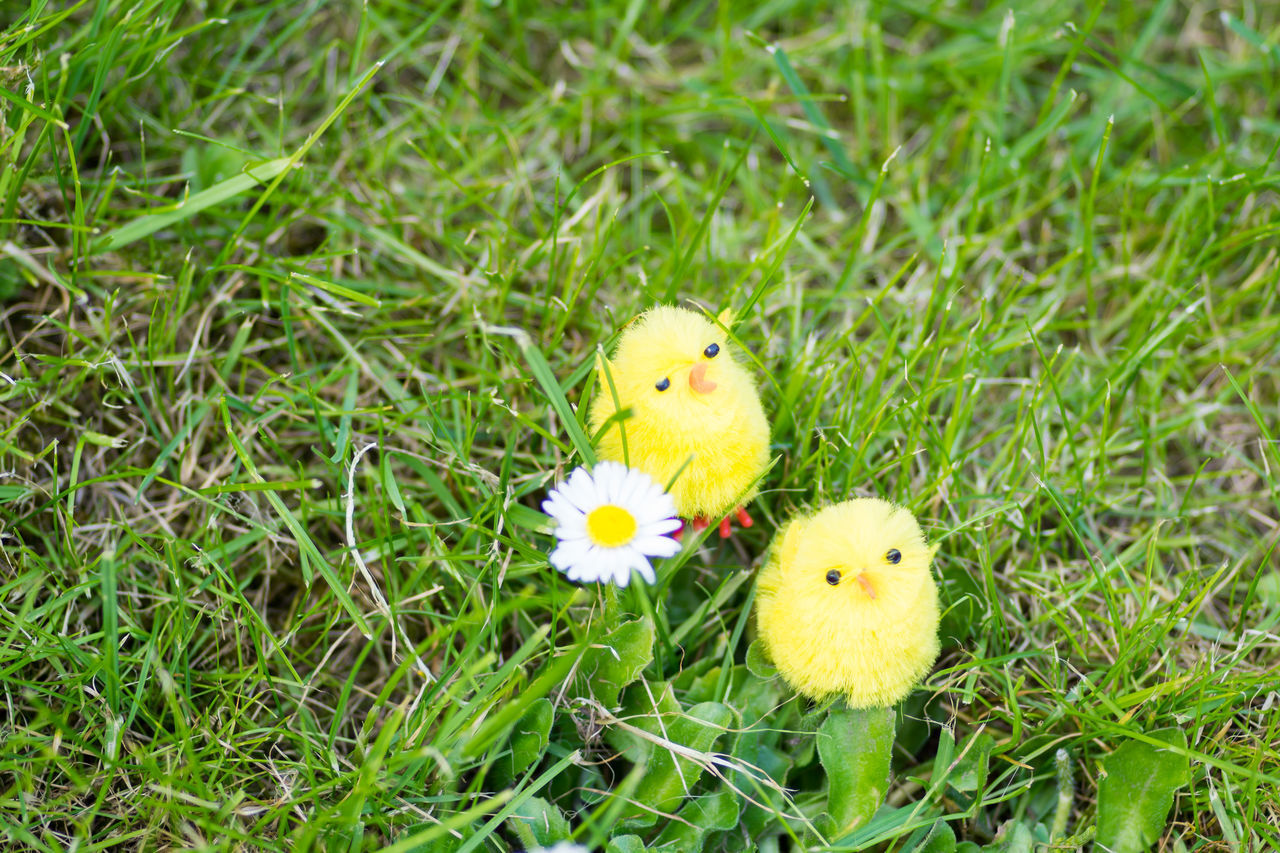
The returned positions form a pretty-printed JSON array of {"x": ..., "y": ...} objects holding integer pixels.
[
  {"x": 847, "y": 603},
  {"x": 692, "y": 411},
  {"x": 672, "y": 362}
]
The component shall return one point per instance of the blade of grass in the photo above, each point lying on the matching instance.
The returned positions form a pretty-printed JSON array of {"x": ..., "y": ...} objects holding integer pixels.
[
  {"x": 305, "y": 544},
  {"x": 145, "y": 226}
]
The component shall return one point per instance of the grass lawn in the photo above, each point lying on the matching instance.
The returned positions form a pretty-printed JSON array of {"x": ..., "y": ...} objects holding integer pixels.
[{"x": 299, "y": 308}]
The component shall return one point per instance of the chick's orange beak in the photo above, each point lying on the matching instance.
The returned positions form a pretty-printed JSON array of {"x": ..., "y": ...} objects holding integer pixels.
[{"x": 698, "y": 380}]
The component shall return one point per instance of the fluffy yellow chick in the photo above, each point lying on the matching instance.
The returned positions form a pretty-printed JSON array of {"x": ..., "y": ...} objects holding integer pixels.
[
  {"x": 847, "y": 603},
  {"x": 695, "y": 425}
]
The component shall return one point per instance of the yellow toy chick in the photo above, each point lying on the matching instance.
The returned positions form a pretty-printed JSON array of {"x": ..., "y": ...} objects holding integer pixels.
[
  {"x": 847, "y": 603},
  {"x": 695, "y": 425}
]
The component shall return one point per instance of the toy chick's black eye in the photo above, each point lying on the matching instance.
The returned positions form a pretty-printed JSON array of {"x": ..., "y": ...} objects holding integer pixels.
[
  {"x": 894, "y": 556},
  {"x": 833, "y": 577},
  {"x": 711, "y": 351},
  {"x": 663, "y": 384}
]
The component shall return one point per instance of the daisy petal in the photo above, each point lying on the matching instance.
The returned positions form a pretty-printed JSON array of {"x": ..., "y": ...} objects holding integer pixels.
[
  {"x": 658, "y": 528},
  {"x": 587, "y": 570},
  {"x": 558, "y": 507},
  {"x": 623, "y": 493},
  {"x": 664, "y": 504},
  {"x": 610, "y": 476},
  {"x": 655, "y": 500},
  {"x": 635, "y": 561},
  {"x": 622, "y": 567},
  {"x": 646, "y": 511},
  {"x": 575, "y": 529},
  {"x": 570, "y": 553},
  {"x": 645, "y": 570},
  {"x": 657, "y": 546},
  {"x": 580, "y": 490},
  {"x": 636, "y": 489}
]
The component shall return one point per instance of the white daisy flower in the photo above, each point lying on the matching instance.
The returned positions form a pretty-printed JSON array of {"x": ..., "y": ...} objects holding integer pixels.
[{"x": 611, "y": 521}]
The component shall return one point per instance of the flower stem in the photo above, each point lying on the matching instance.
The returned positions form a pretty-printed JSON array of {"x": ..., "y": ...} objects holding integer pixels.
[
  {"x": 609, "y": 607},
  {"x": 1066, "y": 795}
]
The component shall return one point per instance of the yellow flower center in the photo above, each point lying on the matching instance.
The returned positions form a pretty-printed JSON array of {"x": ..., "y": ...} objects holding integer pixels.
[{"x": 610, "y": 526}]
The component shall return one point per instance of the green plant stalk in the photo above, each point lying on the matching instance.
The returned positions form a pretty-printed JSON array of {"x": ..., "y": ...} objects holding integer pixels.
[{"x": 1066, "y": 794}]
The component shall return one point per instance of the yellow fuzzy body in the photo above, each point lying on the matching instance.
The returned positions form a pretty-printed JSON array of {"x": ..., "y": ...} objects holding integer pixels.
[
  {"x": 828, "y": 640},
  {"x": 720, "y": 437}
]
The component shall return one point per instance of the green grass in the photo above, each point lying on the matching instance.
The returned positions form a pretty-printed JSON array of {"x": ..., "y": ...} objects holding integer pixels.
[{"x": 1015, "y": 267}]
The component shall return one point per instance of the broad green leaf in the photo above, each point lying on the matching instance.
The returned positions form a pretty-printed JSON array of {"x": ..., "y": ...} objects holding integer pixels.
[
  {"x": 1016, "y": 839},
  {"x": 549, "y": 820},
  {"x": 644, "y": 705},
  {"x": 916, "y": 725},
  {"x": 803, "y": 722},
  {"x": 665, "y": 777},
  {"x": 776, "y": 764},
  {"x": 617, "y": 660},
  {"x": 697, "y": 685},
  {"x": 765, "y": 718},
  {"x": 756, "y": 702},
  {"x": 701, "y": 816},
  {"x": 146, "y": 225},
  {"x": 692, "y": 682},
  {"x": 1135, "y": 795},
  {"x": 939, "y": 839},
  {"x": 970, "y": 773},
  {"x": 855, "y": 746},
  {"x": 512, "y": 712},
  {"x": 439, "y": 836},
  {"x": 758, "y": 661},
  {"x": 538, "y": 823},
  {"x": 439, "y": 844},
  {"x": 531, "y": 734},
  {"x": 946, "y": 750},
  {"x": 626, "y": 844}
]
